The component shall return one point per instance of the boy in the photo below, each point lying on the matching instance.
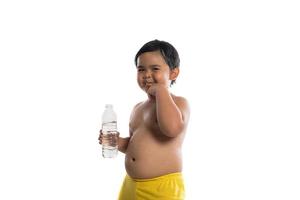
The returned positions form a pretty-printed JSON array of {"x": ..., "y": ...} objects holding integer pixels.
[{"x": 156, "y": 130}]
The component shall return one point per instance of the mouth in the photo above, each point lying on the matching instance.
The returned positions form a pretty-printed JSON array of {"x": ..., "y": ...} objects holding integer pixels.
[
  {"x": 147, "y": 85},
  {"x": 148, "y": 82}
]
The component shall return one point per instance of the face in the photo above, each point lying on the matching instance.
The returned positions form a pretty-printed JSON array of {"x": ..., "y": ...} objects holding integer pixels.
[{"x": 152, "y": 69}]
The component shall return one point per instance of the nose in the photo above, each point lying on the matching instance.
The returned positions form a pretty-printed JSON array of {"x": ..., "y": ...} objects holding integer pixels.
[{"x": 147, "y": 74}]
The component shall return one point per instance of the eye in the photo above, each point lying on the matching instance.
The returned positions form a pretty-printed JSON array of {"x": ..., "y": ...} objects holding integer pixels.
[
  {"x": 155, "y": 68},
  {"x": 141, "y": 69}
]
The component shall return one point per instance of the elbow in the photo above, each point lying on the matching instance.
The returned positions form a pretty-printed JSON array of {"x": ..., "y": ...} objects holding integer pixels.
[{"x": 174, "y": 130}]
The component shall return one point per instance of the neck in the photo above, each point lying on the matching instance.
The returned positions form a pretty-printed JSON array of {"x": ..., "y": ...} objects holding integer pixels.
[{"x": 151, "y": 98}]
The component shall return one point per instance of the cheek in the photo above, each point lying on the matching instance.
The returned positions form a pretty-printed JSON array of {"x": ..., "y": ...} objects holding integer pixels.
[
  {"x": 139, "y": 79},
  {"x": 161, "y": 77}
]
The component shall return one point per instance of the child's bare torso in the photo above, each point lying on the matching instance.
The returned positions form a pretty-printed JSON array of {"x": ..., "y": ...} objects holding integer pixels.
[{"x": 150, "y": 153}]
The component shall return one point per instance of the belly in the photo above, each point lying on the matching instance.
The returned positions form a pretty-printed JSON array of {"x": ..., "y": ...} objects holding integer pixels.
[{"x": 148, "y": 156}]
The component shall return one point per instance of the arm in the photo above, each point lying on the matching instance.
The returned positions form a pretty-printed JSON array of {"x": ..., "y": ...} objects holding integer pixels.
[
  {"x": 123, "y": 144},
  {"x": 172, "y": 115}
]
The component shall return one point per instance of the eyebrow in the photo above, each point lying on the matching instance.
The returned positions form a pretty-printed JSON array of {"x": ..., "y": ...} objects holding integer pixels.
[{"x": 141, "y": 66}]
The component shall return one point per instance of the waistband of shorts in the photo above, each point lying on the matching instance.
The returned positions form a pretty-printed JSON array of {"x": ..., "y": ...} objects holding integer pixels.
[{"x": 167, "y": 176}]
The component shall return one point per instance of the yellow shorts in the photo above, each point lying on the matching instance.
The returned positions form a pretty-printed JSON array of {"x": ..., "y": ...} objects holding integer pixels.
[{"x": 167, "y": 187}]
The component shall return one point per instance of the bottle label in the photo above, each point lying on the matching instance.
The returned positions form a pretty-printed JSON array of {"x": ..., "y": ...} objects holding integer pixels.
[{"x": 109, "y": 127}]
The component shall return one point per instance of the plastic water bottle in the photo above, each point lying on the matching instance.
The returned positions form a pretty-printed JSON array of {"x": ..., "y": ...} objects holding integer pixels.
[{"x": 110, "y": 132}]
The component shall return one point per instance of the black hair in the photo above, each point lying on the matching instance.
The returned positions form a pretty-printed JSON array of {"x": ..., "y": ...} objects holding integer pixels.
[{"x": 168, "y": 52}]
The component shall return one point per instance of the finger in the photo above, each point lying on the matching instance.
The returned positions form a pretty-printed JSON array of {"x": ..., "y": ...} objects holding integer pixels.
[{"x": 100, "y": 135}]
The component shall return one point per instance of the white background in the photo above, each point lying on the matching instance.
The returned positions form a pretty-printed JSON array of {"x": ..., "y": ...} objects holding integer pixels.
[{"x": 62, "y": 61}]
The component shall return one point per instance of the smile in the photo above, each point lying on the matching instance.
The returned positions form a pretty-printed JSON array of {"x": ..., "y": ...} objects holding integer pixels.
[{"x": 148, "y": 84}]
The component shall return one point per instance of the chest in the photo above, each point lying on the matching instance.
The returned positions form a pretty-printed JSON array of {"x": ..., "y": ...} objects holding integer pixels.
[{"x": 145, "y": 116}]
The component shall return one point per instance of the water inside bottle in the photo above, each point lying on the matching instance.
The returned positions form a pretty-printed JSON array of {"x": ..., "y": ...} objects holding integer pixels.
[
  {"x": 110, "y": 144},
  {"x": 110, "y": 139}
]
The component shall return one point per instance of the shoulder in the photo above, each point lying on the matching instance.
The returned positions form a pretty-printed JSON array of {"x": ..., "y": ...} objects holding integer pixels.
[
  {"x": 135, "y": 108},
  {"x": 137, "y": 105},
  {"x": 180, "y": 101},
  {"x": 183, "y": 105}
]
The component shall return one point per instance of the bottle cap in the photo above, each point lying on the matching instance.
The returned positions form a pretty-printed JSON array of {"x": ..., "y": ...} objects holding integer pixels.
[{"x": 108, "y": 105}]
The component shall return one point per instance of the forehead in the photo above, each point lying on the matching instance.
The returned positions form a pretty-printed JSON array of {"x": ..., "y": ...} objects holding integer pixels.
[{"x": 151, "y": 58}]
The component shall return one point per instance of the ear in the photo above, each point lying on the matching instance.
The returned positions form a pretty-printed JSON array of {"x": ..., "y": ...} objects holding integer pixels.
[{"x": 174, "y": 73}]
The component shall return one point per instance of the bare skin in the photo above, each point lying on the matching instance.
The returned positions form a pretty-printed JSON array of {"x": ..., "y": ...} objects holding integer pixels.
[{"x": 157, "y": 126}]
